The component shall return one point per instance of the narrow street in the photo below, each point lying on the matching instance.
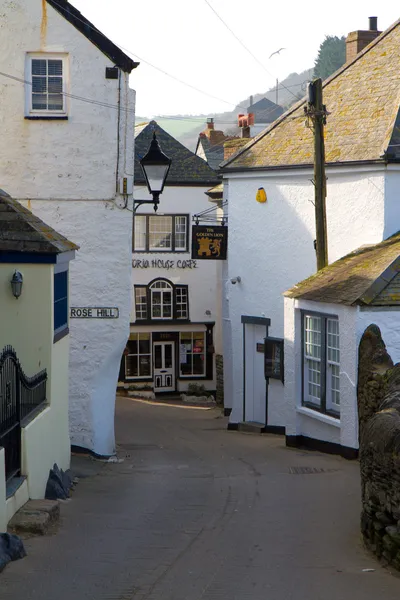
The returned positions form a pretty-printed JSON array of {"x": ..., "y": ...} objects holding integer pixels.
[{"x": 197, "y": 512}]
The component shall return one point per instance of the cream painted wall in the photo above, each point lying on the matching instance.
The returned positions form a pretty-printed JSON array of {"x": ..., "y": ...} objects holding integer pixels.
[
  {"x": 3, "y": 506},
  {"x": 271, "y": 247},
  {"x": 65, "y": 172}
]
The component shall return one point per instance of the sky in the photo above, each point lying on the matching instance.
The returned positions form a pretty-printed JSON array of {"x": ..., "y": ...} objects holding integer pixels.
[{"x": 186, "y": 39}]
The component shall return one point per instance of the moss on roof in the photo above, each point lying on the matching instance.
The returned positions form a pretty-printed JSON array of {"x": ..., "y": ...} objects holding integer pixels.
[
  {"x": 22, "y": 231},
  {"x": 186, "y": 167},
  {"x": 357, "y": 278},
  {"x": 362, "y": 99}
]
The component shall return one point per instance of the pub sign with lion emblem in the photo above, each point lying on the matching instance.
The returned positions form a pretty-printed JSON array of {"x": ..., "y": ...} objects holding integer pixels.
[{"x": 209, "y": 242}]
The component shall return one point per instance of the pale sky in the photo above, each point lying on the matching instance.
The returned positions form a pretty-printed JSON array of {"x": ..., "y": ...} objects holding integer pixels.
[{"x": 186, "y": 39}]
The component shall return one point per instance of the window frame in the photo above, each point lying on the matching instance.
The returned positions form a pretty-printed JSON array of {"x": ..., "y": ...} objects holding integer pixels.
[
  {"x": 325, "y": 404},
  {"x": 138, "y": 355},
  {"x": 149, "y": 308},
  {"x": 62, "y": 330},
  {"x": 30, "y": 112},
  {"x": 173, "y": 248},
  {"x": 204, "y": 353}
]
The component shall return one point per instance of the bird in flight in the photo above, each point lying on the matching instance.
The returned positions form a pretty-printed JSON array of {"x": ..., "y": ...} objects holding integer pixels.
[{"x": 277, "y": 51}]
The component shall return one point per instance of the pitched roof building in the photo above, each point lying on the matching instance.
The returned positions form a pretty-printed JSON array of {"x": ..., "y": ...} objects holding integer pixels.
[
  {"x": 186, "y": 167},
  {"x": 363, "y": 124}
]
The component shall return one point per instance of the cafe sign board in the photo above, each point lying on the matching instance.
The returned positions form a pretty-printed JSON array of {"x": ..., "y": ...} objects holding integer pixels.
[
  {"x": 209, "y": 242},
  {"x": 94, "y": 312}
]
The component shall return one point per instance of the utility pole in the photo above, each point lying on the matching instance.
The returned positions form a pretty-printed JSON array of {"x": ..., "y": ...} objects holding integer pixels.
[{"x": 316, "y": 111}]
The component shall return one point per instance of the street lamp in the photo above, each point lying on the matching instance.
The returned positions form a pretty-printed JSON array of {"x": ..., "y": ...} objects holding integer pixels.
[{"x": 155, "y": 165}]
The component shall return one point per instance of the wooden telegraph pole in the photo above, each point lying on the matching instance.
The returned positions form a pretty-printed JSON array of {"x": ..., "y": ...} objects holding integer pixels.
[{"x": 316, "y": 111}]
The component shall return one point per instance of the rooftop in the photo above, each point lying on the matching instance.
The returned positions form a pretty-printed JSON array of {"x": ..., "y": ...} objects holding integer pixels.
[
  {"x": 369, "y": 275},
  {"x": 363, "y": 124},
  {"x": 186, "y": 168},
  {"x": 22, "y": 231}
]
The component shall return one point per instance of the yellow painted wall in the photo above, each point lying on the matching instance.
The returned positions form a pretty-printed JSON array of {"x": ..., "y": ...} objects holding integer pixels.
[
  {"x": 27, "y": 325},
  {"x": 3, "y": 507}
]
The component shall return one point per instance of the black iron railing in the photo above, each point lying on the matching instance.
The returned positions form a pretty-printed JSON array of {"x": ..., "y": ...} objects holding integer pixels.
[{"x": 20, "y": 396}]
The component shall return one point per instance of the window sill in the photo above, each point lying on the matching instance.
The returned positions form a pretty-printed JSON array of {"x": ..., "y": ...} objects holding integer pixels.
[
  {"x": 314, "y": 414},
  {"x": 60, "y": 335},
  {"x": 46, "y": 117}
]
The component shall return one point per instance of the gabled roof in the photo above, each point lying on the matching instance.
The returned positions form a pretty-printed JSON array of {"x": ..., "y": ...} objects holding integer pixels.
[
  {"x": 107, "y": 47},
  {"x": 186, "y": 168},
  {"x": 362, "y": 99},
  {"x": 214, "y": 153},
  {"x": 369, "y": 275},
  {"x": 22, "y": 231},
  {"x": 265, "y": 111}
]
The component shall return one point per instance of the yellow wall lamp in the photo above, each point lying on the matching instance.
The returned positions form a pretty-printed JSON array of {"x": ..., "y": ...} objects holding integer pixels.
[{"x": 261, "y": 195}]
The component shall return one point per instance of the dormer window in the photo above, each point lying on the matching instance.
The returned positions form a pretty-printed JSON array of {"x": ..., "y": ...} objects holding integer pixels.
[{"x": 47, "y": 77}]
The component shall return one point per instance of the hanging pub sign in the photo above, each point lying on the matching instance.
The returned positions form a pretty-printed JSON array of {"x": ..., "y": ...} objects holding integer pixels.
[
  {"x": 209, "y": 242},
  {"x": 273, "y": 358}
]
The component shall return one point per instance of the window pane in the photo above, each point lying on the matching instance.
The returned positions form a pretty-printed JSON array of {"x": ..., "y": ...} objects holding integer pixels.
[
  {"x": 186, "y": 368},
  {"x": 160, "y": 233},
  {"x": 335, "y": 385},
  {"x": 39, "y": 66},
  {"x": 55, "y": 67},
  {"x": 333, "y": 352},
  {"x": 55, "y": 85},
  {"x": 131, "y": 366},
  {"x": 312, "y": 336},
  {"x": 39, "y": 102},
  {"x": 198, "y": 364},
  {"x": 180, "y": 233},
  {"x": 55, "y": 102},
  {"x": 39, "y": 85},
  {"x": 314, "y": 381},
  {"x": 144, "y": 366},
  {"x": 168, "y": 356},
  {"x": 141, "y": 303},
  {"x": 140, "y": 233},
  {"x": 157, "y": 357}
]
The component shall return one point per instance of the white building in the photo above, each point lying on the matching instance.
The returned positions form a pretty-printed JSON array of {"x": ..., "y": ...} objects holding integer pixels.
[
  {"x": 325, "y": 318},
  {"x": 172, "y": 336},
  {"x": 271, "y": 244},
  {"x": 66, "y": 122}
]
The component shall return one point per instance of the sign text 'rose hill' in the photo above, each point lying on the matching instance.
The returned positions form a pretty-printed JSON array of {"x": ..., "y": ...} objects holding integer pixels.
[
  {"x": 209, "y": 242},
  {"x": 94, "y": 312}
]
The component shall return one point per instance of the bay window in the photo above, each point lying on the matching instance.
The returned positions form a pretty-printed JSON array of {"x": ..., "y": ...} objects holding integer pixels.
[{"x": 321, "y": 360}]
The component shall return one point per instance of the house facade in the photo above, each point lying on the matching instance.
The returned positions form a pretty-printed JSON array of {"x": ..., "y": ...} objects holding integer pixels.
[
  {"x": 67, "y": 115},
  {"x": 325, "y": 318},
  {"x": 271, "y": 243},
  {"x": 34, "y": 355},
  {"x": 174, "y": 309}
]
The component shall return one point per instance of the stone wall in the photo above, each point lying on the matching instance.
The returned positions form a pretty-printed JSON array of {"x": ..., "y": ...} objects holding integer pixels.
[
  {"x": 219, "y": 362},
  {"x": 379, "y": 410}
]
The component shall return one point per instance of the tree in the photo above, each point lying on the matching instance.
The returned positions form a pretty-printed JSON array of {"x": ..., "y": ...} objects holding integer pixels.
[{"x": 331, "y": 56}]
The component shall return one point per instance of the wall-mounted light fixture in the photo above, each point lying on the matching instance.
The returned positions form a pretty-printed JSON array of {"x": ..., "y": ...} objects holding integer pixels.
[
  {"x": 261, "y": 195},
  {"x": 155, "y": 166},
  {"x": 16, "y": 284},
  {"x": 235, "y": 280}
]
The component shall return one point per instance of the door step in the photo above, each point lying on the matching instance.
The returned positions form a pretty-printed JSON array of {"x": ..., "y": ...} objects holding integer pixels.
[
  {"x": 251, "y": 427},
  {"x": 35, "y": 517}
]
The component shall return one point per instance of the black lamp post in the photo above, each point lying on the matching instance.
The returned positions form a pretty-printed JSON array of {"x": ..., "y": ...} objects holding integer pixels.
[{"x": 155, "y": 165}]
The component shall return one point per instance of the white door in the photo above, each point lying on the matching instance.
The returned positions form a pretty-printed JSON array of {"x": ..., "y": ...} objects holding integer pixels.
[
  {"x": 255, "y": 396},
  {"x": 164, "y": 366}
]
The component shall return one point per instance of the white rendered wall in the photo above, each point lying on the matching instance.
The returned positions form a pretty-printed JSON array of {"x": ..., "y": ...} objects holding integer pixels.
[
  {"x": 65, "y": 172},
  {"x": 301, "y": 420},
  {"x": 271, "y": 247},
  {"x": 200, "y": 275}
]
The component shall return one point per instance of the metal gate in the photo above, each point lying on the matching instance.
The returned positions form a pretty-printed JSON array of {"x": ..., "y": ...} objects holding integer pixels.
[{"x": 20, "y": 396}]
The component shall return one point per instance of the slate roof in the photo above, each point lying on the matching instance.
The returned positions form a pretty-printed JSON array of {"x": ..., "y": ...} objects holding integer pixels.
[
  {"x": 265, "y": 111},
  {"x": 369, "y": 275},
  {"x": 363, "y": 125},
  {"x": 22, "y": 231},
  {"x": 107, "y": 47},
  {"x": 186, "y": 168},
  {"x": 214, "y": 153}
]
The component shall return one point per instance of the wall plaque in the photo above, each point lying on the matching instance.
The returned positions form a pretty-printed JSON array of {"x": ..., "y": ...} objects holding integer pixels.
[
  {"x": 94, "y": 312},
  {"x": 209, "y": 243}
]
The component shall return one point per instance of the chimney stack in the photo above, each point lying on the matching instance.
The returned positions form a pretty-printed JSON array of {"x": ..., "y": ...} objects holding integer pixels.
[
  {"x": 251, "y": 101},
  {"x": 210, "y": 123},
  {"x": 358, "y": 40}
]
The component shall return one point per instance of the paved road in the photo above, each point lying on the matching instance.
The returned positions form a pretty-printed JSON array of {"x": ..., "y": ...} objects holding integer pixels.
[{"x": 199, "y": 513}]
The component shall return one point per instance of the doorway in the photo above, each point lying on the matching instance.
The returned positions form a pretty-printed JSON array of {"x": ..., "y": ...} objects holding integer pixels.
[{"x": 164, "y": 366}]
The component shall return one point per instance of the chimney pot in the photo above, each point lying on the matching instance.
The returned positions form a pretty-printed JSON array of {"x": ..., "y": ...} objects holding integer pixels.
[
  {"x": 373, "y": 23},
  {"x": 210, "y": 123}
]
